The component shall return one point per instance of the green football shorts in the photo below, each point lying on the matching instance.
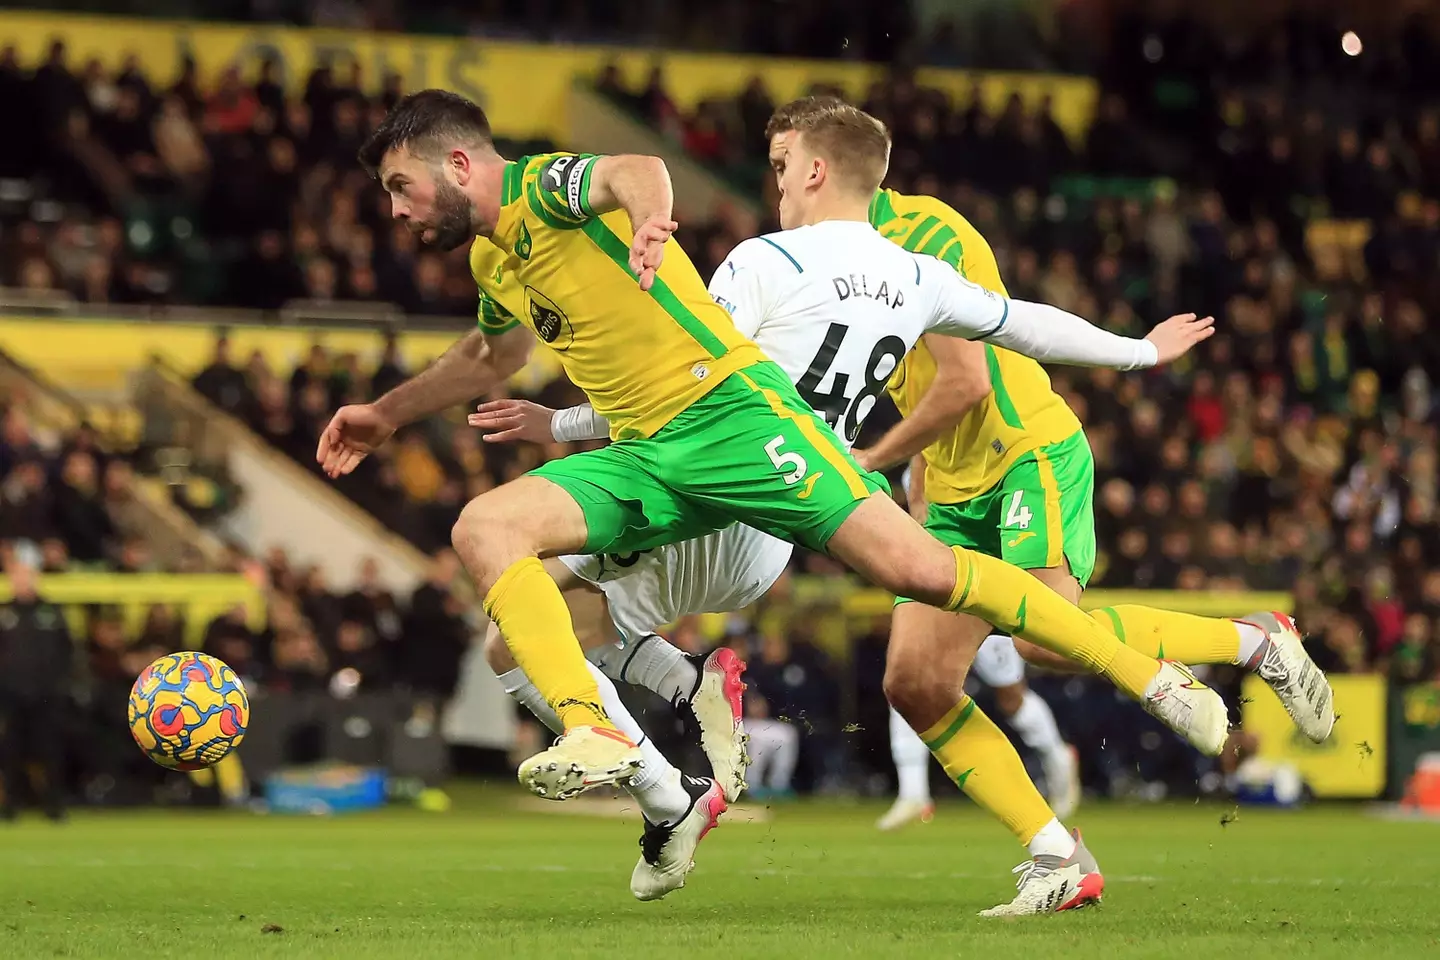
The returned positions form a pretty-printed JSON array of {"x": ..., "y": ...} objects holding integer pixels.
[
  {"x": 749, "y": 451},
  {"x": 1041, "y": 513}
]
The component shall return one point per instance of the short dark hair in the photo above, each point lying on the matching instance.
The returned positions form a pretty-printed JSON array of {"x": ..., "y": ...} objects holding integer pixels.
[
  {"x": 426, "y": 123},
  {"x": 855, "y": 142}
]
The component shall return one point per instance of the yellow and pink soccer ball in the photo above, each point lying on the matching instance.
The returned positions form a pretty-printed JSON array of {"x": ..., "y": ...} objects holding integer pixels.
[{"x": 188, "y": 710}]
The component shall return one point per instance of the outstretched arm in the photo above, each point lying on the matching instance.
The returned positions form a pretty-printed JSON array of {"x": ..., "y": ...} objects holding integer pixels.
[
  {"x": 1048, "y": 333},
  {"x": 962, "y": 379},
  {"x": 475, "y": 364}
]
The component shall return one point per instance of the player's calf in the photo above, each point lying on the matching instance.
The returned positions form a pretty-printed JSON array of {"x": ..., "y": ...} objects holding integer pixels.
[{"x": 1038, "y": 656}]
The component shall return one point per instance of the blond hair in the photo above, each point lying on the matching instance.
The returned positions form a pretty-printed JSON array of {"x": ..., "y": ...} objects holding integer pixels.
[{"x": 854, "y": 143}]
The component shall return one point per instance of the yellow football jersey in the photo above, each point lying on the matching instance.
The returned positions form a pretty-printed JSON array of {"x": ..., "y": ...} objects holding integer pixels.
[
  {"x": 562, "y": 271},
  {"x": 1022, "y": 411}
]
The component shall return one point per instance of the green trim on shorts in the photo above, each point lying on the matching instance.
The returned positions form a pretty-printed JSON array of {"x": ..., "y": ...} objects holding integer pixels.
[{"x": 1041, "y": 514}]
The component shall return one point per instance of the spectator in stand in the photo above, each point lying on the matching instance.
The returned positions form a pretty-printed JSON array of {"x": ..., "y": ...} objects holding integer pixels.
[{"x": 36, "y": 655}]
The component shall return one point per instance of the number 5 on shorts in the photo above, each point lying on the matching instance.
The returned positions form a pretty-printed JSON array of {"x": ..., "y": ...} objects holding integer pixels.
[
  {"x": 783, "y": 460},
  {"x": 1017, "y": 515}
]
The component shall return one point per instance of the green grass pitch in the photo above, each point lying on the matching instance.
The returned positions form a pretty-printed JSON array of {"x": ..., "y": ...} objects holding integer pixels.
[{"x": 814, "y": 880}]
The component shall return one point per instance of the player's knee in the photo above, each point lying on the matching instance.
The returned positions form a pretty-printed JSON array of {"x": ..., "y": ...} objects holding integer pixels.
[
  {"x": 918, "y": 692},
  {"x": 484, "y": 529}
]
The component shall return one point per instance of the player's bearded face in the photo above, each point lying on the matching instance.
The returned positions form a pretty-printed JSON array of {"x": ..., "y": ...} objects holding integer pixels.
[{"x": 450, "y": 223}]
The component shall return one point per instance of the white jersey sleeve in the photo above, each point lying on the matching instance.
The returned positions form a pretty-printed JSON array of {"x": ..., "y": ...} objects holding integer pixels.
[
  {"x": 578, "y": 423},
  {"x": 1037, "y": 330},
  {"x": 745, "y": 284}
]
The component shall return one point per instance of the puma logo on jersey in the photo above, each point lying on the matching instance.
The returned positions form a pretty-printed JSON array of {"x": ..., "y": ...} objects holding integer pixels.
[{"x": 1021, "y": 538}]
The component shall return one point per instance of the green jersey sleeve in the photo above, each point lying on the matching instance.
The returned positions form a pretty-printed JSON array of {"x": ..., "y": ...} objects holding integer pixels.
[{"x": 493, "y": 318}]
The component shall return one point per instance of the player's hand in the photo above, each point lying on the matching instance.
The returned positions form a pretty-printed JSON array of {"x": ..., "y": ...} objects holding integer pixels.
[
  {"x": 647, "y": 250},
  {"x": 863, "y": 458},
  {"x": 1174, "y": 338},
  {"x": 352, "y": 433},
  {"x": 506, "y": 420}
]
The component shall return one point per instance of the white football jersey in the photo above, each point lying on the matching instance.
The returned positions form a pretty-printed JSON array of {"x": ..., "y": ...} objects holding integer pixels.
[{"x": 838, "y": 306}]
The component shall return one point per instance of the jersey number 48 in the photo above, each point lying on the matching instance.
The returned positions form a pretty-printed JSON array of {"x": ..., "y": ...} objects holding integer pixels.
[{"x": 834, "y": 404}]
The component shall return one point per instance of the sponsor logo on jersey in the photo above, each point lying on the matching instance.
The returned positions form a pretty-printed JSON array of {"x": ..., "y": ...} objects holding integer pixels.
[
  {"x": 1021, "y": 538},
  {"x": 729, "y": 307},
  {"x": 550, "y": 323},
  {"x": 700, "y": 371}
]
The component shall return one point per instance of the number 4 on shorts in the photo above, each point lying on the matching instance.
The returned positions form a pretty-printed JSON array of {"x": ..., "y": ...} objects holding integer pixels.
[
  {"x": 1017, "y": 515},
  {"x": 794, "y": 461}
]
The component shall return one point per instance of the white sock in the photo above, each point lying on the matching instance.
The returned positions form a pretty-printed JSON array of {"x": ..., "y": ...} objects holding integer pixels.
[
  {"x": 657, "y": 787},
  {"x": 1252, "y": 638},
  {"x": 519, "y": 686},
  {"x": 1035, "y": 723},
  {"x": 912, "y": 760},
  {"x": 651, "y": 662},
  {"x": 1052, "y": 840}
]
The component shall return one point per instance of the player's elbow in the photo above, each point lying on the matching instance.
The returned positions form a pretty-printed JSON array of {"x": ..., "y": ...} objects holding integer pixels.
[
  {"x": 963, "y": 394},
  {"x": 508, "y": 353},
  {"x": 643, "y": 166}
]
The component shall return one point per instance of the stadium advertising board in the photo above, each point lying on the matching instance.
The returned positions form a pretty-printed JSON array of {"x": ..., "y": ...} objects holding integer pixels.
[
  {"x": 1414, "y": 729},
  {"x": 523, "y": 86},
  {"x": 1352, "y": 763}
]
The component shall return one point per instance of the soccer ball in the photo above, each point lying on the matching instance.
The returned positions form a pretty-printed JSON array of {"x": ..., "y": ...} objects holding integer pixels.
[{"x": 188, "y": 710}]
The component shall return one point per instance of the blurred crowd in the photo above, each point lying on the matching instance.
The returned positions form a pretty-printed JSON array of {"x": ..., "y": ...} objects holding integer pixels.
[
  {"x": 1265, "y": 177},
  {"x": 66, "y": 506},
  {"x": 121, "y": 192}
]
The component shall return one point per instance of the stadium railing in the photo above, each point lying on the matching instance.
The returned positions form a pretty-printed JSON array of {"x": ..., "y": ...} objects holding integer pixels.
[
  {"x": 171, "y": 533},
  {"x": 286, "y": 505},
  {"x": 197, "y": 597}
]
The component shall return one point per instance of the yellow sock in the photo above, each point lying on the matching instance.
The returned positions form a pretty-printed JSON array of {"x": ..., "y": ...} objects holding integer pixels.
[
  {"x": 1016, "y": 602},
  {"x": 1172, "y": 636},
  {"x": 527, "y": 606},
  {"x": 983, "y": 763}
]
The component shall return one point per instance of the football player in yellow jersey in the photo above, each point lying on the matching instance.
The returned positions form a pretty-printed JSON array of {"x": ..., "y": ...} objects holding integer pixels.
[
  {"x": 574, "y": 251},
  {"x": 1007, "y": 472}
]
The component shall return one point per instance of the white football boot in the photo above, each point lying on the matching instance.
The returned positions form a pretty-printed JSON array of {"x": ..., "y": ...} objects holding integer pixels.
[
  {"x": 905, "y": 811},
  {"x": 668, "y": 850},
  {"x": 717, "y": 705},
  {"x": 1049, "y": 884},
  {"x": 582, "y": 759},
  {"x": 1283, "y": 663},
  {"x": 1062, "y": 781},
  {"x": 1178, "y": 699}
]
